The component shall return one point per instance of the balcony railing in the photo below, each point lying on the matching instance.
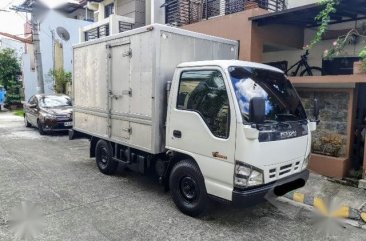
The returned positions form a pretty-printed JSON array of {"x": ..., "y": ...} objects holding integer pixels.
[
  {"x": 112, "y": 25},
  {"x": 181, "y": 12}
]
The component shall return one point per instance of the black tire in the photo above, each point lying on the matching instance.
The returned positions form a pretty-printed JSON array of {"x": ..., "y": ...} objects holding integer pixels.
[
  {"x": 40, "y": 128},
  {"x": 316, "y": 71},
  {"x": 71, "y": 134},
  {"x": 187, "y": 188},
  {"x": 26, "y": 122},
  {"x": 103, "y": 156}
]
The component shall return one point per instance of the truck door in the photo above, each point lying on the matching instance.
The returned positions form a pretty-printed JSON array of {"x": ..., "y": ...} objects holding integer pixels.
[
  {"x": 201, "y": 123},
  {"x": 119, "y": 64}
]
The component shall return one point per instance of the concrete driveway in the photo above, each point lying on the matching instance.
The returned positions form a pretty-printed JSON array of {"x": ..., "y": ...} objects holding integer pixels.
[{"x": 77, "y": 202}]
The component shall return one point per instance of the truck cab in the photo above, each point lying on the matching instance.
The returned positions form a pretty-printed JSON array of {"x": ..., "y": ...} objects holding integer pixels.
[{"x": 242, "y": 126}]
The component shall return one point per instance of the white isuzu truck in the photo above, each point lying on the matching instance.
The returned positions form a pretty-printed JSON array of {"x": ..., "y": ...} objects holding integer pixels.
[{"x": 174, "y": 102}]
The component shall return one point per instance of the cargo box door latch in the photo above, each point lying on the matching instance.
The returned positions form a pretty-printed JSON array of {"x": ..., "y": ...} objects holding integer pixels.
[
  {"x": 128, "y": 53},
  {"x": 127, "y": 92},
  {"x": 128, "y": 130}
]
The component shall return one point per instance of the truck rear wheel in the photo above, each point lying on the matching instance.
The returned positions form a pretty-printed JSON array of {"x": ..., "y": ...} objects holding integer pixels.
[
  {"x": 187, "y": 188},
  {"x": 104, "y": 158}
]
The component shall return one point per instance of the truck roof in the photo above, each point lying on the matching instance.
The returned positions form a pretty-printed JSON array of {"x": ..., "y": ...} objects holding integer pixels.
[{"x": 227, "y": 63}]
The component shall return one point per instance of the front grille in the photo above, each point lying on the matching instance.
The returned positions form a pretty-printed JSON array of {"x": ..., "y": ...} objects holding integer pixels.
[
  {"x": 63, "y": 117},
  {"x": 60, "y": 126},
  {"x": 284, "y": 170}
]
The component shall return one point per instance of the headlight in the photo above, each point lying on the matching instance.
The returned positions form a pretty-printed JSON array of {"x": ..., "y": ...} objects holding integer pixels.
[
  {"x": 246, "y": 175},
  {"x": 306, "y": 162},
  {"x": 48, "y": 116}
]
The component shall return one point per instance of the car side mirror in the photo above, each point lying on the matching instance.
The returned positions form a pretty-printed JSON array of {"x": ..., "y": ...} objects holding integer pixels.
[
  {"x": 257, "y": 110},
  {"x": 316, "y": 110}
]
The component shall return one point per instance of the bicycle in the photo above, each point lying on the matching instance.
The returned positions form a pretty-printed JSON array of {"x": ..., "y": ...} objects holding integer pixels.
[{"x": 308, "y": 71}]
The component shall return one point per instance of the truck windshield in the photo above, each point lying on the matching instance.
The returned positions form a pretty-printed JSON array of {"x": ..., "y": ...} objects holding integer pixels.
[{"x": 282, "y": 101}]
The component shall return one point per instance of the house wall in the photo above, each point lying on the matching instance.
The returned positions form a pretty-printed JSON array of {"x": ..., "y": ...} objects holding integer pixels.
[
  {"x": 133, "y": 9},
  {"x": 252, "y": 38},
  {"x": 154, "y": 12},
  {"x": 334, "y": 111},
  {"x": 234, "y": 26},
  {"x": 50, "y": 22},
  {"x": 337, "y": 107},
  {"x": 278, "y": 36},
  {"x": 298, "y": 3},
  {"x": 292, "y": 55},
  {"x": 19, "y": 47},
  {"x": 29, "y": 75}
]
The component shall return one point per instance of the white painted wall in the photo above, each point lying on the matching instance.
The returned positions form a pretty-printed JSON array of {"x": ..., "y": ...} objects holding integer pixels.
[
  {"x": 297, "y": 3},
  {"x": 29, "y": 76},
  {"x": 19, "y": 47},
  {"x": 157, "y": 13},
  {"x": 316, "y": 53},
  {"x": 51, "y": 21}
]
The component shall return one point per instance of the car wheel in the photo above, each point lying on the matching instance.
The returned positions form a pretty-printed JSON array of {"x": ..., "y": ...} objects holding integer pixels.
[
  {"x": 26, "y": 122},
  {"x": 187, "y": 188},
  {"x": 104, "y": 158},
  {"x": 40, "y": 128}
]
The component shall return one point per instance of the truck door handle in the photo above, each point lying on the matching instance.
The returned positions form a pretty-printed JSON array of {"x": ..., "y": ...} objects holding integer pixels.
[{"x": 177, "y": 134}]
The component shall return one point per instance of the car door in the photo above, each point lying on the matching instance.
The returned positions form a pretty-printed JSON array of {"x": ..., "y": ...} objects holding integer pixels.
[
  {"x": 202, "y": 124},
  {"x": 32, "y": 110}
]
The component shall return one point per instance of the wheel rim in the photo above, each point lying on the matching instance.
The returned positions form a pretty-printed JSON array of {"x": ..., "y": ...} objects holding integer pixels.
[
  {"x": 103, "y": 157},
  {"x": 188, "y": 188}
]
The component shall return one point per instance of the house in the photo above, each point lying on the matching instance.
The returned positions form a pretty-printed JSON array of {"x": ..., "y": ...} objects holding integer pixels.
[
  {"x": 276, "y": 31},
  {"x": 59, "y": 30},
  {"x": 115, "y": 16},
  {"x": 18, "y": 46}
]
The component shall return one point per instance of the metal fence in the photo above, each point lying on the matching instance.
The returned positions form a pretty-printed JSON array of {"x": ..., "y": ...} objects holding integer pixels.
[
  {"x": 98, "y": 32},
  {"x": 104, "y": 30},
  {"x": 181, "y": 12},
  {"x": 123, "y": 26}
]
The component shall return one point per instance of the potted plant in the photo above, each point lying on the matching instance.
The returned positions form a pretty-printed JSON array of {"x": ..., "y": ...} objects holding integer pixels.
[{"x": 328, "y": 145}]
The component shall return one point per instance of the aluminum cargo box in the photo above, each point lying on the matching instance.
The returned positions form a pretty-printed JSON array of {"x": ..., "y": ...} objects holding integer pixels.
[{"x": 120, "y": 81}]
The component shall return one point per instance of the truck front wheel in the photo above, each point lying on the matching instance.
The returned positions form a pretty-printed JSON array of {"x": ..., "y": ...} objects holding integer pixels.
[
  {"x": 187, "y": 188},
  {"x": 104, "y": 158}
]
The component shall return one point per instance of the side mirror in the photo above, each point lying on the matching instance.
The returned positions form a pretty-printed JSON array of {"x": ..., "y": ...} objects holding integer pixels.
[
  {"x": 257, "y": 110},
  {"x": 316, "y": 110}
]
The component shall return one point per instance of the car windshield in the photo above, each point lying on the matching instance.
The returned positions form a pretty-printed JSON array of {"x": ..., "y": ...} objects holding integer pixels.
[
  {"x": 282, "y": 102},
  {"x": 54, "y": 101}
]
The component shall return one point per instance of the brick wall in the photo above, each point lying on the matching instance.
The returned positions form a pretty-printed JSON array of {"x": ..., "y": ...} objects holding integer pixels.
[{"x": 333, "y": 115}]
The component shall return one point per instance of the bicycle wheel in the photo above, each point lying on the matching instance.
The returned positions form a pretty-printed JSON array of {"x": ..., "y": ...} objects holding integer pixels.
[{"x": 315, "y": 71}]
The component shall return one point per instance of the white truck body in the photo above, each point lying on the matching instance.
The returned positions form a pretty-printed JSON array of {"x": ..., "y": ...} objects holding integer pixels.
[
  {"x": 156, "y": 97},
  {"x": 135, "y": 67}
]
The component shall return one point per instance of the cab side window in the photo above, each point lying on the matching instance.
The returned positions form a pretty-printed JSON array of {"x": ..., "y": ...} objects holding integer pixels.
[{"x": 204, "y": 92}]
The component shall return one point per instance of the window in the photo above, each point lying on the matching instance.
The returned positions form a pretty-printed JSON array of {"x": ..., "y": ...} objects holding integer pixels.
[
  {"x": 282, "y": 101},
  {"x": 204, "y": 92},
  {"x": 55, "y": 101},
  {"x": 108, "y": 10},
  {"x": 32, "y": 100}
]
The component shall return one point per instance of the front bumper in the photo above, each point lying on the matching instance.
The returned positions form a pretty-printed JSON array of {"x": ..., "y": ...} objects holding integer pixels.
[
  {"x": 255, "y": 195},
  {"x": 56, "y": 125}
]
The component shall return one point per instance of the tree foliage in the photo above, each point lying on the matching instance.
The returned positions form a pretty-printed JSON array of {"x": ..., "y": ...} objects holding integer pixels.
[
  {"x": 324, "y": 18},
  {"x": 330, "y": 6},
  {"x": 9, "y": 73},
  {"x": 61, "y": 78}
]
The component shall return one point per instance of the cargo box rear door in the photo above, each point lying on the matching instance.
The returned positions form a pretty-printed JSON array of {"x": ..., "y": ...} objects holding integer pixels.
[{"x": 120, "y": 74}]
